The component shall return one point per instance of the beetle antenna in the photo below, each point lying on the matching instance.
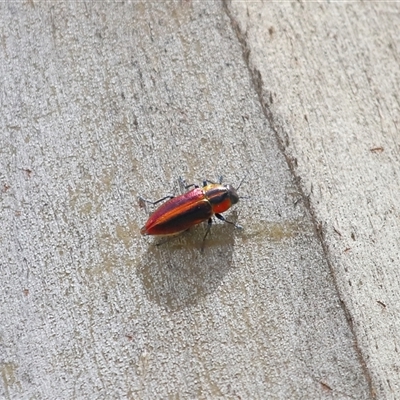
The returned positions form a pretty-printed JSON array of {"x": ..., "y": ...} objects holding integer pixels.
[{"x": 240, "y": 184}]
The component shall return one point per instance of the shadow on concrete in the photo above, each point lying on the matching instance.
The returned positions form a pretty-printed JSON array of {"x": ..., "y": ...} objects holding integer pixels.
[{"x": 177, "y": 274}]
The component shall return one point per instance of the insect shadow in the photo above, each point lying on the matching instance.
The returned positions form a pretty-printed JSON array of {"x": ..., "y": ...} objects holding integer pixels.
[{"x": 177, "y": 274}]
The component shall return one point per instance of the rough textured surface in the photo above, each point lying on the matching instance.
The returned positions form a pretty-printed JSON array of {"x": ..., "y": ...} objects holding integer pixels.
[
  {"x": 102, "y": 103},
  {"x": 329, "y": 79}
]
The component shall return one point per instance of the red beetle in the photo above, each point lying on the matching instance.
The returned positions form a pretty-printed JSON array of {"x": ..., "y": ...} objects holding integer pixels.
[{"x": 197, "y": 205}]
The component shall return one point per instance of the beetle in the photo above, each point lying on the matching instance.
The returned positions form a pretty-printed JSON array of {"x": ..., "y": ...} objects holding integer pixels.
[{"x": 180, "y": 213}]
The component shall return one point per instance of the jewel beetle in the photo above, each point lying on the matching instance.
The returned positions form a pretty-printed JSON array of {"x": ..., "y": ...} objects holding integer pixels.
[{"x": 197, "y": 205}]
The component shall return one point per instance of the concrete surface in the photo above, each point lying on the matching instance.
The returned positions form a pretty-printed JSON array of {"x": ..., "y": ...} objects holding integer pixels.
[
  {"x": 329, "y": 79},
  {"x": 101, "y": 103}
]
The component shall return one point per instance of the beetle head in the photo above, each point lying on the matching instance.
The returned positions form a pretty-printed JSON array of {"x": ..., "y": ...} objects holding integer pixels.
[{"x": 233, "y": 196}]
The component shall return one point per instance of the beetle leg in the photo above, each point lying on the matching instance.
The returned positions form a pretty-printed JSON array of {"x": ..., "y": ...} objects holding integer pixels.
[
  {"x": 222, "y": 218},
  {"x": 207, "y": 181},
  {"x": 191, "y": 185},
  {"x": 183, "y": 187},
  {"x": 141, "y": 199},
  {"x": 165, "y": 240},
  {"x": 209, "y": 223}
]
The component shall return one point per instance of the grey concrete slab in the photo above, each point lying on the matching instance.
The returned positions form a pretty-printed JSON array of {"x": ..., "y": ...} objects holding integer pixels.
[
  {"x": 101, "y": 103},
  {"x": 329, "y": 78}
]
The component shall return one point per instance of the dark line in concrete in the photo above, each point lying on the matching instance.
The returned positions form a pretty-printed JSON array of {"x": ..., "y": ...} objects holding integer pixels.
[{"x": 256, "y": 78}]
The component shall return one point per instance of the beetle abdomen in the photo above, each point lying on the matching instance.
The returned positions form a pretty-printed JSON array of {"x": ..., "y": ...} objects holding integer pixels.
[{"x": 171, "y": 220}]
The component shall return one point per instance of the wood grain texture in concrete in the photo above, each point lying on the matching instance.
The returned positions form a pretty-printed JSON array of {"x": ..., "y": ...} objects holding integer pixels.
[
  {"x": 101, "y": 103},
  {"x": 328, "y": 75}
]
